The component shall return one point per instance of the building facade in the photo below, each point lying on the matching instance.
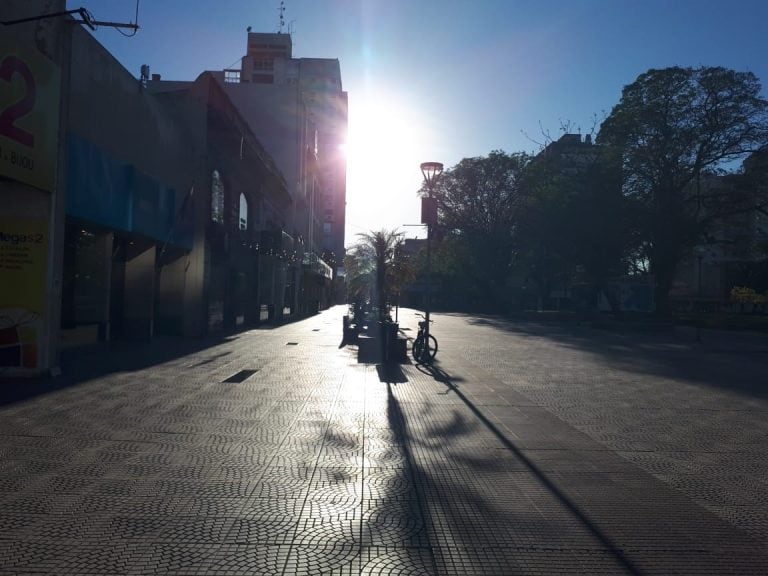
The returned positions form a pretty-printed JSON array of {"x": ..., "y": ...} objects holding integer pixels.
[
  {"x": 131, "y": 207},
  {"x": 299, "y": 109}
]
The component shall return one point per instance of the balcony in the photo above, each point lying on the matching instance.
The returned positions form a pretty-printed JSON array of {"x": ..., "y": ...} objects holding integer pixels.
[
  {"x": 276, "y": 243},
  {"x": 315, "y": 264}
]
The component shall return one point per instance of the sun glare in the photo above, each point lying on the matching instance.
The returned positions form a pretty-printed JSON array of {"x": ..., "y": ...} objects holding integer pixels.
[
  {"x": 380, "y": 132},
  {"x": 384, "y": 147}
]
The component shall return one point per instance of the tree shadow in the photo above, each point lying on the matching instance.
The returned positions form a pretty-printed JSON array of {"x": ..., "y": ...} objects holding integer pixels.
[
  {"x": 483, "y": 513},
  {"x": 729, "y": 360},
  {"x": 402, "y": 438}
]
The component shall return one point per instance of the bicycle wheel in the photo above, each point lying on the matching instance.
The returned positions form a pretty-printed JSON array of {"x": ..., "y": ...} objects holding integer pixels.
[
  {"x": 424, "y": 354},
  {"x": 431, "y": 350},
  {"x": 416, "y": 349}
]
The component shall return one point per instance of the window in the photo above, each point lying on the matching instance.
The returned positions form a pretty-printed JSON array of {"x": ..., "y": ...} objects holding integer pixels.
[
  {"x": 243, "y": 219},
  {"x": 327, "y": 228},
  {"x": 217, "y": 198}
]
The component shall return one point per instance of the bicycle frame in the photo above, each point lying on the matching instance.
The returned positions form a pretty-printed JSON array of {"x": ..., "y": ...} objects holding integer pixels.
[{"x": 424, "y": 347}]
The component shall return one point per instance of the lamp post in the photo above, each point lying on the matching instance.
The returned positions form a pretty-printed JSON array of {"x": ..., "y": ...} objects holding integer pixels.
[{"x": 431, "y": 172}]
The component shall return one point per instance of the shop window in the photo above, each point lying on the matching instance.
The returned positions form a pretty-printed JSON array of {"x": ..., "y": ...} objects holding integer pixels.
[{"x": 243, "y": 219}]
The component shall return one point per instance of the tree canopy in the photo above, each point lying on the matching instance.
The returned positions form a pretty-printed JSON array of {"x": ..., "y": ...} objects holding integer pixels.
[
  {"x": 659, "y": 179},
  {"x": 481, "y": 201},
  {"x": 673, "y": 127},
  {"x": 577, "y": 223}
]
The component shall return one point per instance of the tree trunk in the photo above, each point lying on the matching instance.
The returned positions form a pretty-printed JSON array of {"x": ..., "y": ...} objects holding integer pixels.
[{"x": 664, "y": 281}]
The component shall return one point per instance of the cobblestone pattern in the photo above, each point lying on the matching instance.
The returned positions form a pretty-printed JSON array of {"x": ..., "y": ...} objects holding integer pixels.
[
  {"x": 619, "y": 417},
  {"x": 529, "y": 451}
]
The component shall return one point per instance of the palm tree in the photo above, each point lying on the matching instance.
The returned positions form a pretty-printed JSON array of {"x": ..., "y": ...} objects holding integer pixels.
[{"x": 375, "y": 267}]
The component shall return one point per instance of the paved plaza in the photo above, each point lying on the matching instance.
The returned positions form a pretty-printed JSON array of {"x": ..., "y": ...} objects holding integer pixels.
[{"x": 530, "y": 448}]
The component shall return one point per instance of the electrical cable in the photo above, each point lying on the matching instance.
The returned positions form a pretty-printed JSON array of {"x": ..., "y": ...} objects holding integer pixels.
[{"x": 136, "y": 23}]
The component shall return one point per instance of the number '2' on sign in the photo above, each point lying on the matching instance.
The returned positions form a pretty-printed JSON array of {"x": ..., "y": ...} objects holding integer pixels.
[{"x": 9, "y": 67}]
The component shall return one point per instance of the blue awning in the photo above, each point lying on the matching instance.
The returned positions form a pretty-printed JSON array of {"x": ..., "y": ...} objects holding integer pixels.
[{"x": 116, "y": 195}]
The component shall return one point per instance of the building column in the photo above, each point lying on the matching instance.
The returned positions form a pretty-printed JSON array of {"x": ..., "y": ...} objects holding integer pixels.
[{"x": 139, "y": 298}]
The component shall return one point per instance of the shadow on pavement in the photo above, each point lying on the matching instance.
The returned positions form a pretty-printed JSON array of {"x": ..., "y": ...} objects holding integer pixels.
[
  {"x": 737, "y": 361},
  {"x": 391, "y": 373},
  {"x": 78, "y": 365},
  {"x": 399, "y": 427},
  {"x": 460, "y": 427},
  {"x": 83, "y": 364}
]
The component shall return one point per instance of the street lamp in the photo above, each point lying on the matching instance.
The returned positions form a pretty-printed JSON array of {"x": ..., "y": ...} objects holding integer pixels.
[{"x": 431, "y": 172}]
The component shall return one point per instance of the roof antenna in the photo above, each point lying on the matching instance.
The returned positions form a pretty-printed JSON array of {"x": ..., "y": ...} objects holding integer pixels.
[{"x": 282, "y": 16}]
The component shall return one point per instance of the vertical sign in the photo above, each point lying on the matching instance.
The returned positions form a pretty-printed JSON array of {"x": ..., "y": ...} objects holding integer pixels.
[
  {"x": 23, "y": 267},
  {"x": 428, "y": 210},
  {"x": 29, "y": 114},
  {"x": 29, "y": 128}
]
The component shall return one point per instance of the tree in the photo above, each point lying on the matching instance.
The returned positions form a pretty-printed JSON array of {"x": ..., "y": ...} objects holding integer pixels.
[
  {"x": 753, "y": 182},
  {"x": 376, "y": 267},
  {"x": 577, "y": 222},
  {"x": 674, "y": 126},
  {"x": 479, "y": 202},
  {"x": 358, "y": 267},
  {"x": 749, "y": 268}
]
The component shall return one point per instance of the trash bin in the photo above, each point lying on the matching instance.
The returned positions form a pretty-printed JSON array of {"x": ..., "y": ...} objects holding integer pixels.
[{"x": 389, "y": 331}]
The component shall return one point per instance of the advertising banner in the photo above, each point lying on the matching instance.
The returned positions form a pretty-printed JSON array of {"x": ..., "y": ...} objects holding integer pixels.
[
  {"x": 29, "y": 114},
  {"x": 23, "y": 271}
]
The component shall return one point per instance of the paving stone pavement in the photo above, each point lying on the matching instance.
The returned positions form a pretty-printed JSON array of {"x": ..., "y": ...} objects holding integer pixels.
[{"x": 528, "y": 449}]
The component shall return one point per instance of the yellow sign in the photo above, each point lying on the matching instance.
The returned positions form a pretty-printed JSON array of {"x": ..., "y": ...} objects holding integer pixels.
[
  {"x": 23, "y": 266},
  {"x": 29, "y": 114}
]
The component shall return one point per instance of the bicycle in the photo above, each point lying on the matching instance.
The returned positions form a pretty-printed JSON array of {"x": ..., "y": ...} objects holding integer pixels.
[{"x": 424, "y": 354}]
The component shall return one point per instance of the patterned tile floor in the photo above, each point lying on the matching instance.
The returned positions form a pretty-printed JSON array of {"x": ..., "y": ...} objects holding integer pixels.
[{"x": 528, "y": 449}]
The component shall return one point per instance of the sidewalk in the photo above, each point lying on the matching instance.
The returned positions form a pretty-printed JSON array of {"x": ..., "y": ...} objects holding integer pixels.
[{"x": 276, "y": 452}]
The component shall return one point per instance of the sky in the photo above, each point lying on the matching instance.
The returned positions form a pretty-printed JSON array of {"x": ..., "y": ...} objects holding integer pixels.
[{"x": 442, "y": 81}]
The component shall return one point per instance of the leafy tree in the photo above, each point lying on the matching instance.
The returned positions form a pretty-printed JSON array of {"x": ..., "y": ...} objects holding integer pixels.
[
  {"x": 749, "y": 243},
  {"x": 547, "y": 228},
  {"x": 577, "y": 224},
  {"x": 400, "y": 271},
  {"x": 451, "y": 261},
  {"x": 480, "y": 202},
  {"x": 673, "y": 126},
  {"x": 753, "y": 182}
]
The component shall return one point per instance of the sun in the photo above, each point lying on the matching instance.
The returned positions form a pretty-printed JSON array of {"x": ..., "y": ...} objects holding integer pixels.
[
  {"x": 384, "y": 141},
  {"x": 388, "y": 138}
]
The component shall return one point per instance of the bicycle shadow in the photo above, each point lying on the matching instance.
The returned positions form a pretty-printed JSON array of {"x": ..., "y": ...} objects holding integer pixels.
[{"x": 442, "y": 376}]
